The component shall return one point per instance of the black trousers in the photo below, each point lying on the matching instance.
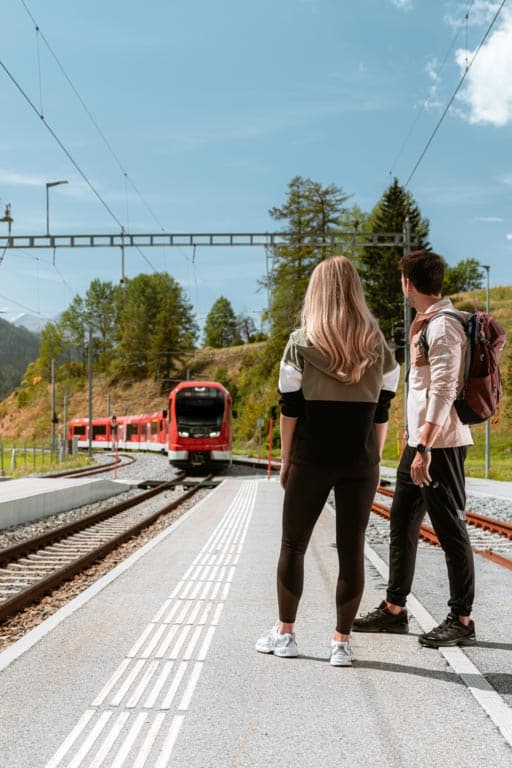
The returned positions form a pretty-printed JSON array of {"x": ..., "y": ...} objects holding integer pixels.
[
  {"x": 445, "y": 501},
  {"x": 306, "y": 492}
]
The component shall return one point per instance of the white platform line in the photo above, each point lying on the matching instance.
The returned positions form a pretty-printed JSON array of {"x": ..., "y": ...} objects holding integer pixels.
[
  {"x": 70, "y": 740},
  {"x": 111, "y": 683},
  {"x": 204, "y": 617},
  {"x": 87, "y": 744},
  {"x": 171, "y": 613},
  {"x": 146, "y": 679},
  {"x": 31, "y": 638},
  {"x": 137, "y": 676},
  {"x": 147, "y": 746},
  {"x": 171, "y": 693},
  {"x": 161, "y": 611},
  {"x": 170, "y": 741},
  {"x": 166, "y": 643},
  {"x": 179, "y": 642},
  {"x": 108, "y": 742},
  {"x": 206, "y": 644},
  {"x": 488, "y": 698},
  {"x": 155, "y": 639},
  {"x": 193, "y": 616},
  {"x": 141, "y": 640},
  {"x": 116, "y": 700},
  {"x": 191, "y": 686},
  {"x": 150, "y": 701},
  {"x": 129, "y": 741},
  {"x": 192, "y": 644},
  {"x": 217, "y": 614}
]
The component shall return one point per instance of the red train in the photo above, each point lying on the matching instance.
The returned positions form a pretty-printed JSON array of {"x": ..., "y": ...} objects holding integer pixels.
[{"x": 195, "y": 430}]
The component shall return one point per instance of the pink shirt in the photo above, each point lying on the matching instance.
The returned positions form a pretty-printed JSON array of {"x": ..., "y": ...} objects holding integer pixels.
[{"x": 434, "y": 384}]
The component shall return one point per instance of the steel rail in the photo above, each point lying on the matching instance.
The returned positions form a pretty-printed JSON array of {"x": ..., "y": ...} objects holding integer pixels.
[
  {"x": 427, "y": 534},
  {"x": 96, "y": 470},
  {"x": 36, "y": 591}
]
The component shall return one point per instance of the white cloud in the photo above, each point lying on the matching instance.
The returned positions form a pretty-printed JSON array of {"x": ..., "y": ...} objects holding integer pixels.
[
  {"x": 432, "y": 100},
  {"x": 490, "y": 219},
  {"x": 481, "y": 12},
  {"x": 20, "y": 179},
  {"x": 404, "y": 5},
  {"x": 487, "y": 96},
  {"x": 509, "y": 236}
]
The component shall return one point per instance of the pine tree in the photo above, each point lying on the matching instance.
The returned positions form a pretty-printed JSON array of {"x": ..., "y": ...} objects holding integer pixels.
[
  {"x": 312, "y": 213},
  {"x": 221, "y": 327},
  {"x": 157, "y": 327},
  {"x": 379, "y": 264}
]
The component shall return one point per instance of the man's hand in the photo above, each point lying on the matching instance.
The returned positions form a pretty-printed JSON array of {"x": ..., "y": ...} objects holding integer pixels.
[
  {"x": 283, "y": 475},
  {"x": 420, "y": 467}
]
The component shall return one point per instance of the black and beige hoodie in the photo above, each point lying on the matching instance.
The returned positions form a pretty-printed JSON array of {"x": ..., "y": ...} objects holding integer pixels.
[{"x": 335, "y": 417}]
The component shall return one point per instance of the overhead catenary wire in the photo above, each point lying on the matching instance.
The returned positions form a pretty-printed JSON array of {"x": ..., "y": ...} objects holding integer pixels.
[
  {"x": 92, "y": 119},
  {"x": 60, "y": 143},
  {"x": 457, "y": 89},
  {"x": 426, "y": 100},
  {"x": 68, "y": 154}
]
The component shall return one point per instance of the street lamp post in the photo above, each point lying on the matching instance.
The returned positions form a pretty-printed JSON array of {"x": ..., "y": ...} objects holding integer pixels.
[
  {"x": 48, "y": 185},
  {"x": 488, "y": 422}
]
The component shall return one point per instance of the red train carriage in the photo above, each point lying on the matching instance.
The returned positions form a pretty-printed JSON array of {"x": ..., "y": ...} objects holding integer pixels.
[
  {"x": 143, "y": 432},
  {"x": 199, "y": 424}
]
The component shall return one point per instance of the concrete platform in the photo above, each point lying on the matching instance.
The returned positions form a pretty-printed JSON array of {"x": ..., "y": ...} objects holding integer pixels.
[
  {"x": 31, "y": 498},
  {"x": 155, "y": 665}
]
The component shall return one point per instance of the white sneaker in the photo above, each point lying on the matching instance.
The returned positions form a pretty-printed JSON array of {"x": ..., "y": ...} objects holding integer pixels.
[
  {"x": 341, "y": 654},
  {"x": 279, "y": 645}
]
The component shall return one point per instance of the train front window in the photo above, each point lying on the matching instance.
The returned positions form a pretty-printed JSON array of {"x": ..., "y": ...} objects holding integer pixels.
[{"x": 199, "y": 412}]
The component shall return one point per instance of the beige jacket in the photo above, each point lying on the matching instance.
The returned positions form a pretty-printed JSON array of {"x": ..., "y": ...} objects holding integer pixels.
[{"x": 435, "y": 383}]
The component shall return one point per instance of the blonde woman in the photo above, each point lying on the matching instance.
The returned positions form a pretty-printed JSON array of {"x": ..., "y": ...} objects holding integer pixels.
[{"x": 336, "y": 381}]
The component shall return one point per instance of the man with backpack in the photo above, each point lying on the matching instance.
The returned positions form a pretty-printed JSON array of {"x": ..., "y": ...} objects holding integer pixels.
[{"x": 430, "y": 476}]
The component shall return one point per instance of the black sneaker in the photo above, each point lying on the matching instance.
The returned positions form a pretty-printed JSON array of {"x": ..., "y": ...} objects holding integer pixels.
[
  {"x": 382, "y": 620},
  {"x": 450, "y": 632}
]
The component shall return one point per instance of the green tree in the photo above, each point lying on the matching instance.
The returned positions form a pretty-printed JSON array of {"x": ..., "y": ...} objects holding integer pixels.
[
  {"x": 156, "y": 327},
  {"x": 378, "y": 264},
  {"x": 221, "y": 327},
  {"x": 466, "y": 275},
  {"x": 312, "y": 213}
]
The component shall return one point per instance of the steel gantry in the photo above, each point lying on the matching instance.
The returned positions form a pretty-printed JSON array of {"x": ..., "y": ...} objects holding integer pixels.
[{"x": 149, "y": 240}]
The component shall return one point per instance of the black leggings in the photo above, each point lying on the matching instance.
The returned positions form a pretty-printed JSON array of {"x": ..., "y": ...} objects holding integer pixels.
[{"x": 307, "y": 489}]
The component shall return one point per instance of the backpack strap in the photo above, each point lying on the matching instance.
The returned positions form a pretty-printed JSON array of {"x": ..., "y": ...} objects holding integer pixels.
[{"x": 422, "y": 340}]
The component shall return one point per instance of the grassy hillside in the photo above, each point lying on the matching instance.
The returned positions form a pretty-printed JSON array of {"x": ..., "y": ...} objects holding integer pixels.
[{"x": 237, "y": 367}]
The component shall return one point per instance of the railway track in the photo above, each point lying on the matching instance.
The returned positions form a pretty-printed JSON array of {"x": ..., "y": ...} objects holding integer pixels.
[
  {"x": 122, "y": 460},
  {"x": 33, "y": 568},
  {"x": 498, "y": 530}
]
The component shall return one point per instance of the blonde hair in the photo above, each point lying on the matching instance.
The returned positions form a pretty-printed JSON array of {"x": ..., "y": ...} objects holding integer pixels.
[{"x": 337, "y": 320}]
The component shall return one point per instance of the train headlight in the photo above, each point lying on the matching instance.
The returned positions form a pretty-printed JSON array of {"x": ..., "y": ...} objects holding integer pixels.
[
  {"x": 184, "y": 434},
  {"x": 214, "y": 434}
]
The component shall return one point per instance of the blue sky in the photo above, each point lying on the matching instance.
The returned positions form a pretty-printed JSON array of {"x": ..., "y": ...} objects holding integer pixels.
[{"x": 212, "y": 108}]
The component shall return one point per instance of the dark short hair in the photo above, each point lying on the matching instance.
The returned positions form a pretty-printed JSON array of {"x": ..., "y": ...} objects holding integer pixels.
[{"x": 425, "y": 270}]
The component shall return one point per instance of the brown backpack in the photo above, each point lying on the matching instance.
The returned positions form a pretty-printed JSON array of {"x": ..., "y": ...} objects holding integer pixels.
[{"x": 480, "y": 395}]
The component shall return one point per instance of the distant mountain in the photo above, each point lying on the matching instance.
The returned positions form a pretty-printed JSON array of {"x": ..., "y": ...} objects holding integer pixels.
[
  {"x": 18, "y": 348},
  {"x": 32, "y": 323}
]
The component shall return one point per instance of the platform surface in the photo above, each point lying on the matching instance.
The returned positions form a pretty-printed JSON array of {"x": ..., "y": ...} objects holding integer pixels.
[
  {"x": 155, "y": 666},
  {"x": 31, "y": 498}
]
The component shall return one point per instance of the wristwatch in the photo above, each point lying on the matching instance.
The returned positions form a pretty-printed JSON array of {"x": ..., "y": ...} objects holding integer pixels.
[{"x": 421, "y": 448}]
